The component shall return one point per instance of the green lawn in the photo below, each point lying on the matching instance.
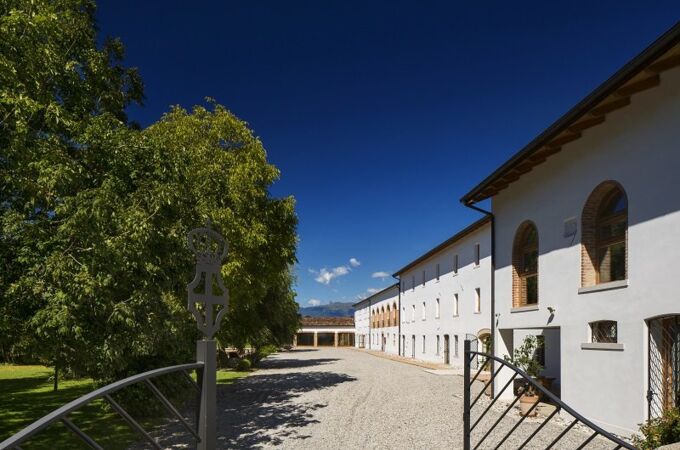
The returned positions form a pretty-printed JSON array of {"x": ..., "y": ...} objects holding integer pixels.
[{"x": 26, "y": 395}]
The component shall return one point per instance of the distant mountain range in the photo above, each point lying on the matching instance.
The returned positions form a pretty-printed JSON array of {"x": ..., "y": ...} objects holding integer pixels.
[{"x": 336, "y": 309}]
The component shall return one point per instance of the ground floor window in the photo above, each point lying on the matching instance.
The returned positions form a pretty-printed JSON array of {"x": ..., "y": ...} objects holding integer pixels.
[
  {"x": 423, "y": 343},
  {"x": 540, "y": 350},
  {"x": 345, "y": 339},
  {"x": 604, "y": 331},
  {"x": 437, "y": 349},
  {"x": 455, "y": 346},
  {"x": 664, "y": 364}
]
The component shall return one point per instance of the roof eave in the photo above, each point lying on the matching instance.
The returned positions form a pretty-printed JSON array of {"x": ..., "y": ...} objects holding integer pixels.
[{"x": 633, "y": 67}]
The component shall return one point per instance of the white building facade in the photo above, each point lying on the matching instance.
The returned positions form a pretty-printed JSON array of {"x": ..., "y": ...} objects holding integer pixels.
[
  {"x": 379, "y": 315},
  {"x": 587, "y": 228},
  {"x": 362, "y": 324},
  {"x": 446, "y": 297}
]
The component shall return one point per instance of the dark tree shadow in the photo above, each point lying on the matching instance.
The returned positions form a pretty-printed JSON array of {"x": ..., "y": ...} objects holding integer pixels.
[
  {"x": 264, "y": 410},
  {"x": 285, "y": 363},
  {"x": 259, "y": 410}
]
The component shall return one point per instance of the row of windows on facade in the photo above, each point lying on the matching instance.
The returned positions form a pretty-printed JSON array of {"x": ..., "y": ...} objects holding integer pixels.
[
  {"x": 385, "y": 316},
  {"x": 376, "y": 338},
  {"x": 602, "y": 331},
  {"x": 437, "y": 272},
  {"x": 604, "y": 231},
  {"x": 437, "y": 307},
  {"x": 389, "y": 316}
]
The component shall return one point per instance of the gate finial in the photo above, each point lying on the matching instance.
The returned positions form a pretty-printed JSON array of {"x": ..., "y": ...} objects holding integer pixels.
[{"x": 210, "y": 249}]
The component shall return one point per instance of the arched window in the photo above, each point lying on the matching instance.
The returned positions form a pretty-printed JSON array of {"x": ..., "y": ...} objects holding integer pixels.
[
  {"x": 604, "y": 235},
  {"x": 395, "y": 315},
  {"x": 525, "y": 266},
  {"x": 388, "y": 317}
]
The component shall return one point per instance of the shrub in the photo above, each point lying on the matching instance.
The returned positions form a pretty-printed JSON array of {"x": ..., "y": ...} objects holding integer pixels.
[
  {"x": 232, "y": 363},
  {"x": 660, "y": 431},
  {"x": 244, "y": 365}
]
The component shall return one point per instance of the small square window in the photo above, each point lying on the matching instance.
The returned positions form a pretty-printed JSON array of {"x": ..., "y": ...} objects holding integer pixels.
[
  {"x": 476, "y": 254},
  {"x": 604, "y": 331},
  {"x": 478, "y": 301},
  {"x": 455, "y": 264}
]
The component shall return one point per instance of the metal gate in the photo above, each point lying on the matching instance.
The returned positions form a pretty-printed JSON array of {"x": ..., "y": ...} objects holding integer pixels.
[
  {"x": 663, "y": 392},
  {"x": 486, "y": 436}
]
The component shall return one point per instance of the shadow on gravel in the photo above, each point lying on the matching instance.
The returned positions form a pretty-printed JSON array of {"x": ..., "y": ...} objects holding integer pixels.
[
  {"x": 262, "y": 409},
  {"x": 258, "y": 410},
  {"x": 280, "y": 363}
]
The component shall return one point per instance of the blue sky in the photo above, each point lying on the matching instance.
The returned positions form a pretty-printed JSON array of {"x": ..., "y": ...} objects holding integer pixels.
[{"x": 380, "y": 114}]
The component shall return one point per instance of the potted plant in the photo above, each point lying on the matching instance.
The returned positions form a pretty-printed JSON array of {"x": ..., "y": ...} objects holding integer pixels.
[{"x": 524, "y": 358}]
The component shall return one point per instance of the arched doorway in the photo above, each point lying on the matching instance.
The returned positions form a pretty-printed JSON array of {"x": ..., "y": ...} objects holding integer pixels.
[{"x": 484, "y": 337}]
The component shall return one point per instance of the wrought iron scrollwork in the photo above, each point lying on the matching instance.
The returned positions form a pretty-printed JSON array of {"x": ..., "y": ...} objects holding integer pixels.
[{"x": 207, "y": 288}]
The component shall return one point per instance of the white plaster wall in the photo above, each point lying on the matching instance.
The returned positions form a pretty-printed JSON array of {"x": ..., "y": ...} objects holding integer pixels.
[
  {"x": 463, "y": 283},
  {"x": 638, "y": 147},
  {"x": 361, "y": 322},
  {"x": 381, "y": 300}
]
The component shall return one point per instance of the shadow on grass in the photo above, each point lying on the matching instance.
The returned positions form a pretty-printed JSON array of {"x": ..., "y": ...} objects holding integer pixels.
[{"x": 26, "y": 395}]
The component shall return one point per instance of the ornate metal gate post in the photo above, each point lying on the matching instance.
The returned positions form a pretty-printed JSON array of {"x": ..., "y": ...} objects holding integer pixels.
[
  {"x": 466, "y": 395},
  {"x": 205, "y": 293}
]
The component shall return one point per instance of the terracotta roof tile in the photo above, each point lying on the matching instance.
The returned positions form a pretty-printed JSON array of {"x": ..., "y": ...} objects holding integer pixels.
[{"x": 328, "y": 321}]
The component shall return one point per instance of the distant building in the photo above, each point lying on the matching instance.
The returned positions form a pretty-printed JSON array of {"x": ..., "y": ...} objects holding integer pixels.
[
  {"x": 325, "y": 332},
  {"x": 377, "y": 321},
  {"x": 446, "y": 297}
]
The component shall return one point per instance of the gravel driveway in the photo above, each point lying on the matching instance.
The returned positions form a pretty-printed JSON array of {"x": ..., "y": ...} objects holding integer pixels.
[{"x": 344, "y": 398}]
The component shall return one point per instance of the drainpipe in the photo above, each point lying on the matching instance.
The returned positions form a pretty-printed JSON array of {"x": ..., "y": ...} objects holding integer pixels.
[
  {"x": 493, "y": 286},
  {"x": 369, "y": 324},
  {"x": 400, "y": 318}
]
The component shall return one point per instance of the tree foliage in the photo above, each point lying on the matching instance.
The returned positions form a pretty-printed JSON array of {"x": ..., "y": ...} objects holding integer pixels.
[{"x": 94, "y": 211}]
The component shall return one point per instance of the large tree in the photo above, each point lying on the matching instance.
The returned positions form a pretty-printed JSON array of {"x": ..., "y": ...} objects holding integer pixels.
[
  {"x": 95, "y": 211},
  {"x": 53, "y": 82}
]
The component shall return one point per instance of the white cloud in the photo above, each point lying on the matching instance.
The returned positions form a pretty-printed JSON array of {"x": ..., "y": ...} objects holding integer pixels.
[
  {"x": 325, "y": 276},
  {"x": 314, "y": 302},
  {"x": 382, "y": 275},
  {"x": 369, "y": 291}
]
